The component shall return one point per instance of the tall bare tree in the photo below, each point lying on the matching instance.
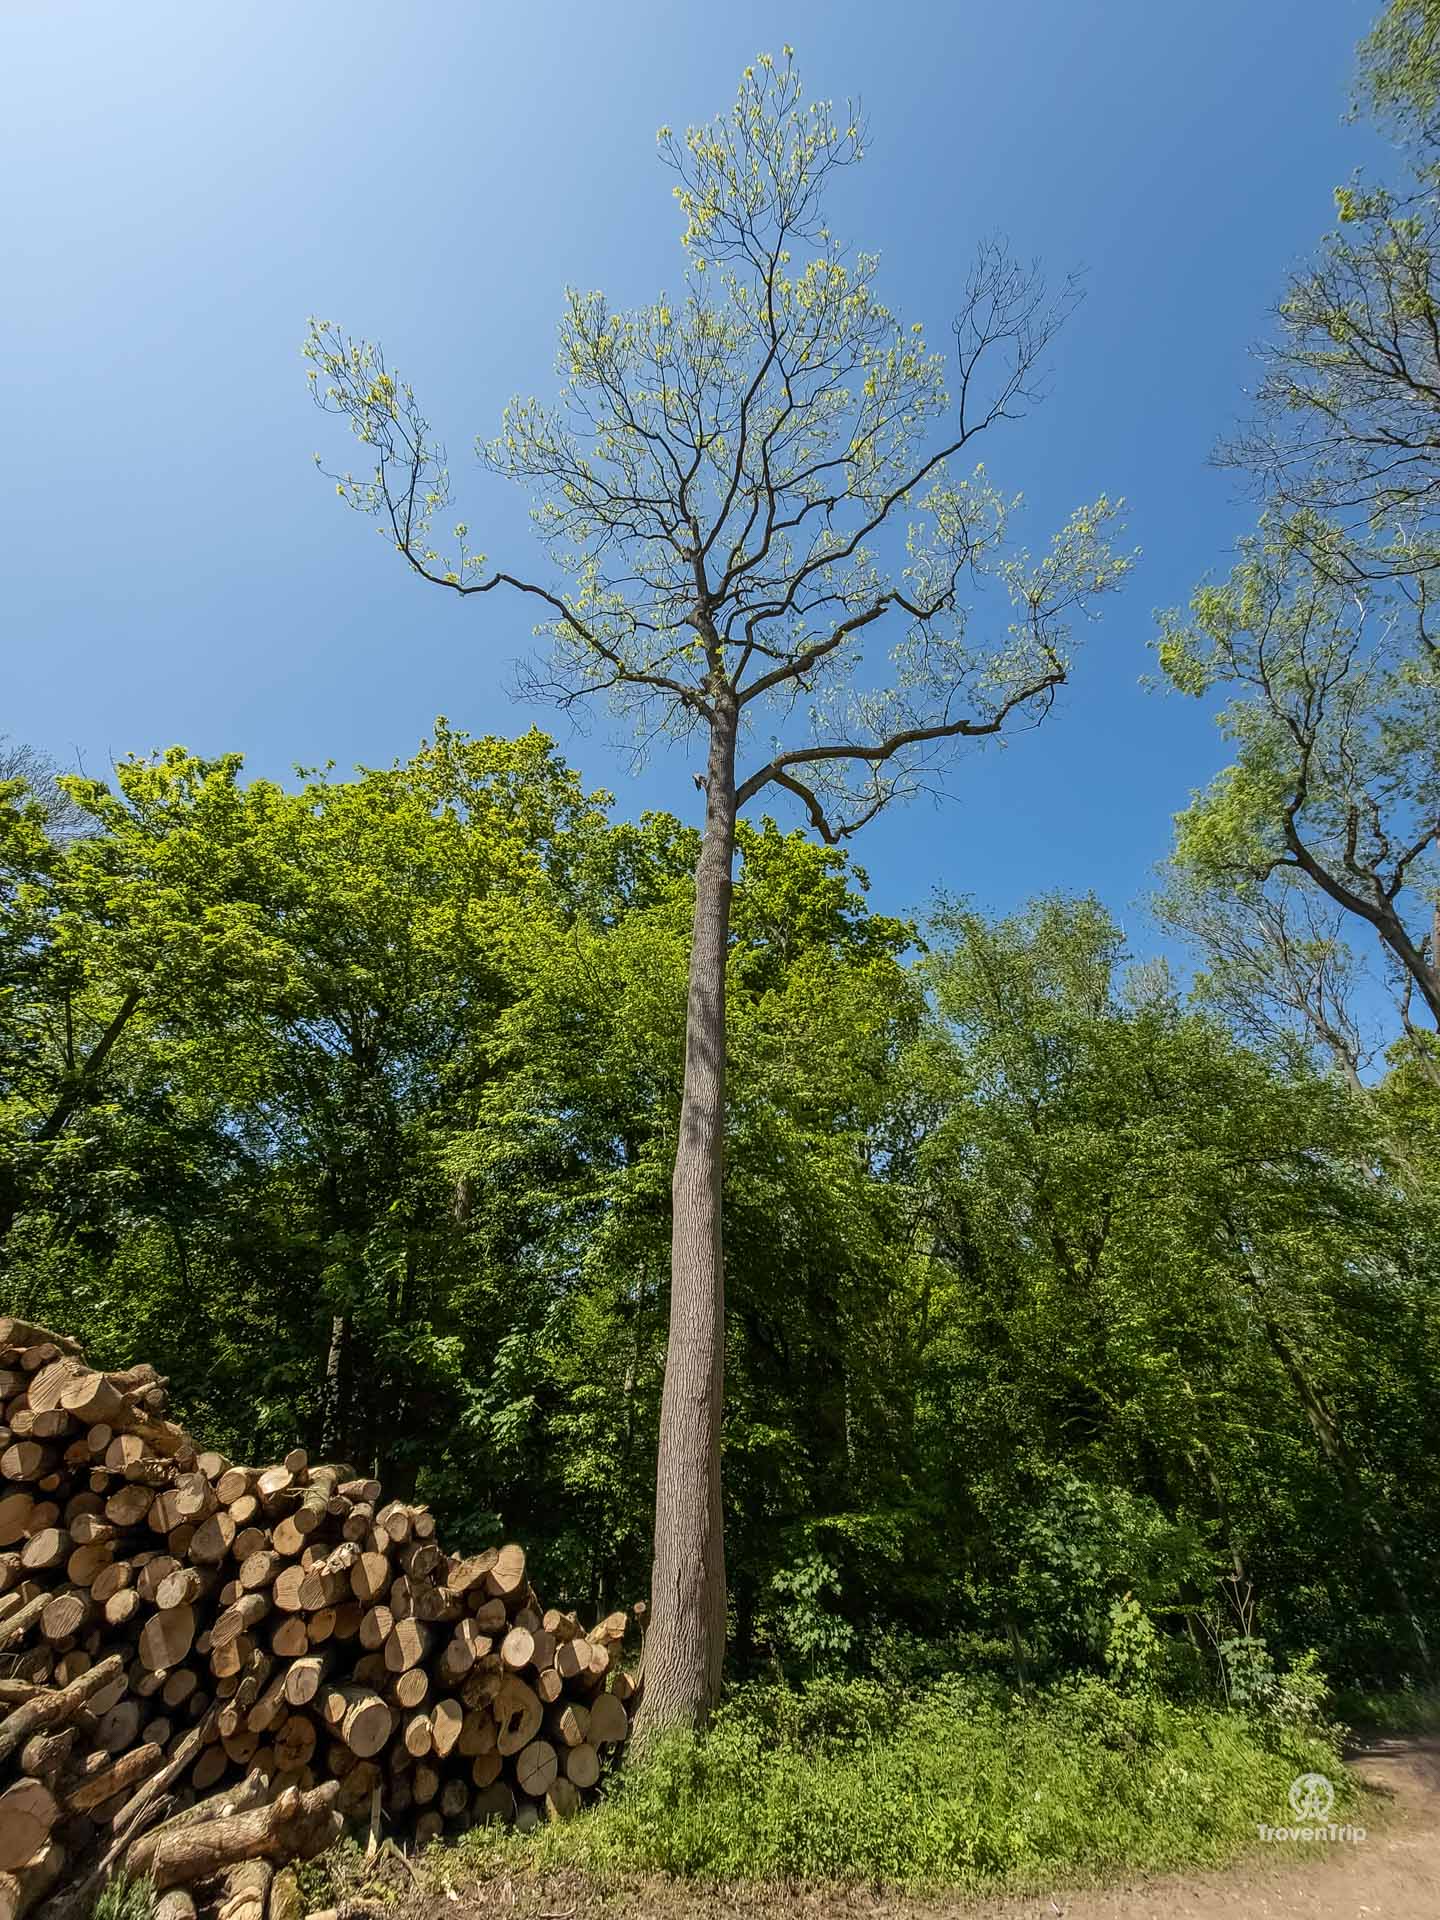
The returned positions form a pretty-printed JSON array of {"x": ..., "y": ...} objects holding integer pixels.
[{"x": 738, "y": 490}]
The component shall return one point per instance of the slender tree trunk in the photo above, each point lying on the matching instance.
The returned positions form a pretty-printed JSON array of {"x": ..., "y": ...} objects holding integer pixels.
[
  {"x": 685, "y": 1647},
  {"x": 334, "y": 1395}
]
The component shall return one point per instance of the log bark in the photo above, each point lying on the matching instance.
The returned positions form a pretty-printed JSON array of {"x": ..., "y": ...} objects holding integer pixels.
[
  {"x": 53, "y": 1709},
  {"x": 118, "y": 1777},
  {"x": 245, "y": 1891},
  {"x": 297, "y": 1826}
]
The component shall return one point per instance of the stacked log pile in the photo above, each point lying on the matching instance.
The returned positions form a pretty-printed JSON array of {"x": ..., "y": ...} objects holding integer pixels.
[{"x": 206, "y": 1669}]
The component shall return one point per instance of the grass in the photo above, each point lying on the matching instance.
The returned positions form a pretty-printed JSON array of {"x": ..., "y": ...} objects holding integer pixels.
[
  {"x": 965, "y": 1787},
  {"x": 125, "y": 1898}
]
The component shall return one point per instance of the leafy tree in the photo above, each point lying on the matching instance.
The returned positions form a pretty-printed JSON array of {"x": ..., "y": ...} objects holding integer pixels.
[
  {"x": 1042, "y": 1290},
  {"x": 722, "y": 489},
  {"x": 1152, "y": 1233},
  {"x": 1336, "y": 723},
  {"x": 293, "y": 993},
  {"x": 1342, "y": 442},
  {"x": 137, "y": 924},
  {"x": 1399, "y": 69},
  {"x": 1323, "y": 634}
]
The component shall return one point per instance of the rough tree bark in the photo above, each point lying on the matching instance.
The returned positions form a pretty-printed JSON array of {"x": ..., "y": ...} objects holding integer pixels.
[{"x": 684, "y": 1654}]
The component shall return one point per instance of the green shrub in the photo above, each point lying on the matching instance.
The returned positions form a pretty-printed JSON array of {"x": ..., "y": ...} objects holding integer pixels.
[
  {"x": 959, "y": 1785},
  {"x": 1398, "y": 1710}
]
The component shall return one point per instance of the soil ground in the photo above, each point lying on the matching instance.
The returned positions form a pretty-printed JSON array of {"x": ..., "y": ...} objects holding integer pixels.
[{"x": 1393, "y": 1874}]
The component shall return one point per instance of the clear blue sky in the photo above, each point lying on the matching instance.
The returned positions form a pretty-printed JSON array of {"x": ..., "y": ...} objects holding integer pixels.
[{"x": 185, "y": 183}]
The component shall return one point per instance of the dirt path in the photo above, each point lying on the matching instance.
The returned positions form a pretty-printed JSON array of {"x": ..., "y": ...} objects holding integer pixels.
[{"x": 1393, "y": 1874}]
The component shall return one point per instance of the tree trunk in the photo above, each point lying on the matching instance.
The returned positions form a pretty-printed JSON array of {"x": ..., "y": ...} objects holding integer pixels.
[
  {"x": 685, "y": 1648},
  {"x": 333, "y": 1394},
  {"x": 1422, "y": 968}
]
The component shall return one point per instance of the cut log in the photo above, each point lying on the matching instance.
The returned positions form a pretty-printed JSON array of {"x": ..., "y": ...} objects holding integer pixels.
[
  {"x": 46, "y": 1550},
  {"x": 55, "y": 1708},
  {"x": 518, "y": 1714},
  {"x": 563, "y": 1799},
  {"x": 153, "y": 1575},
  {"x": 86, "y": 1564},
  {"x": 494, "y": 1804},
  {"x": 582, "y": 1765},
  {"x": 411, "y": 1689},
  {"x": 573, "y": 1658},
  {"x": 506, "y": 1579},
  {"x": 549, "y": 1686},
  {"x": 447, "y": 1720},
  {"x": 29, "y": 1812},
  {"x": 297, "y": 1826},
  {"x": 248, "y": 1611},
  {"x": 166, "y": 1638},
  {"x": 286, "y": 1588},
  {"x": 609, "y": 1721},
  {"x": 370, "y": 1577},
  {"x": 118, "y": 1727},
  {"x": 367, "y": 1722},
  {"x": 407, "y": 1646},
  {"x": 183, "y": 1587},
  {"x": 15, "y": 1626},
  {"x": 536, "y": 1766},
  {"x": 258, "y": 1568},
  {"x": 212, "y": 1540},
  {"x": 21, "y": 1891},
  {"x": 50, "y": 1382},
  {"x": 121, "y": 1775},
  {"x": 288, "y": 1639},
  {"x": 92, "y": 1398},
  {"x": 44, "y": 1755},
  {"x": 302, "y": 1681},
  {"x": 295, "y": 1743},
  {"x": 570, "y": 1723},
  {"x": 611, "y": 1630},
  {"x": 15, "y": 1511}
]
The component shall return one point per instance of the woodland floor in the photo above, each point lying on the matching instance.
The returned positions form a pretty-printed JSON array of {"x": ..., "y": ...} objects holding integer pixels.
[{"x": 1394, "y": 1874}]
